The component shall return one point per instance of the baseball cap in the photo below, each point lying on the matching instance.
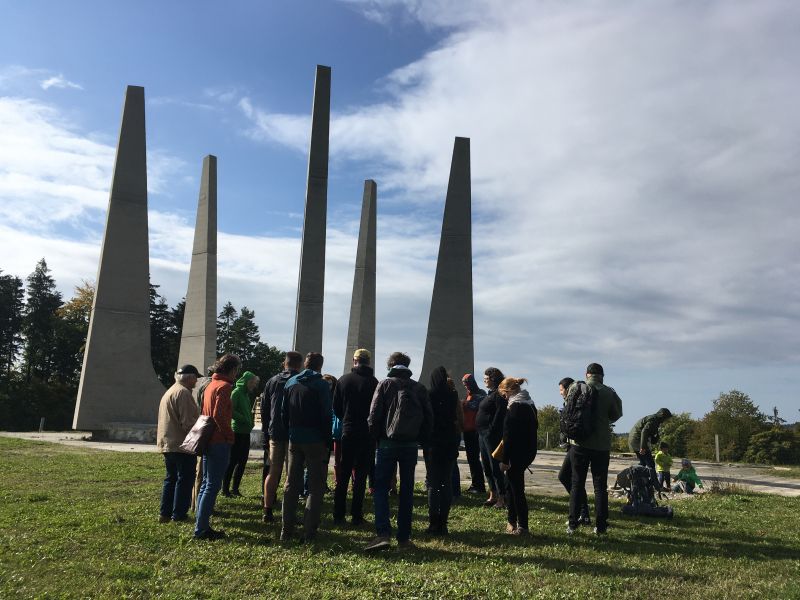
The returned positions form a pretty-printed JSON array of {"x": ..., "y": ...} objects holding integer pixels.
[{"x": 188, "y": 370}]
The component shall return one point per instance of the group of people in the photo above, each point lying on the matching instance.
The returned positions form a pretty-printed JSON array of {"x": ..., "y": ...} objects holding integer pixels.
[{"x": 375, "y": 429}]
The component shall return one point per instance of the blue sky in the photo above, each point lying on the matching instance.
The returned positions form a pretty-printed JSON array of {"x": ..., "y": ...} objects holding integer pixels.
[{"x": 634, "y": 170}]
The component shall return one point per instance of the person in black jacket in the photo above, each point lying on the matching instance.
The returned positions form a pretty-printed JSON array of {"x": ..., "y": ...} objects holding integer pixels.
[
  {"x": 441, "y": 451},
  {"x": 520, "y": 427},
  {"x": 271, "y": 407},
  {"x": 489, "y": 421},
  {"x": 351, "y": 401},
  {"x": 565, "y": 473}
]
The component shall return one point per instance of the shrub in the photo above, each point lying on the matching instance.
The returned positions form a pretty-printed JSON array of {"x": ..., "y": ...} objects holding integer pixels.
[{"x": 777, "y": 446}]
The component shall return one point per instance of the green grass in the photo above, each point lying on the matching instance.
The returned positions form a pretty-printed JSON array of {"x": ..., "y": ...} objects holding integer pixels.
[{"x": 81, "y": 523}]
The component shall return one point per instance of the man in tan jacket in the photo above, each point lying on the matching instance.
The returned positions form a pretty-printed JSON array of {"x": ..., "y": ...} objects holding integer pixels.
[{"x": 177, "y": 413}]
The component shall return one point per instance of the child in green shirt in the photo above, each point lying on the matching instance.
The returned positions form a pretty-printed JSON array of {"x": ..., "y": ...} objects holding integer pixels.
[
  {"x": 687, "y": 478},
  {"x": 663, "y": 463}
]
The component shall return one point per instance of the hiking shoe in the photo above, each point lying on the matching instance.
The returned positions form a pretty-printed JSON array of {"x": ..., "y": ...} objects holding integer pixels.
[
  {"x": 405, "y": 545},
  {"x": 181, "y": 519},
  {"x": 379, "y": 542},
  {"x": 488, "y": 503},
  {"x": 164, "y": 518},
  {"x": 520, "y": 531},
  {"x": 211, "y": 534},
  {"x": 600, "y": 532},
  {"x": 267, "y": 517},
  {"x": 473, "y": 490}
]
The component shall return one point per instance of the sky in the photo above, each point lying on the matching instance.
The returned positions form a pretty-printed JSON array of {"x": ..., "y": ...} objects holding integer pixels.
[{"x": 635, "y": 171}]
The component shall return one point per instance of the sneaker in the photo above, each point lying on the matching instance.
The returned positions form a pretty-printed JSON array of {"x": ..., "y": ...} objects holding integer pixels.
[
  {"x": 181, "y": 519},
  {"x": 405, "y": 545},
  {"x": 585, "y": 520},
  {"x": 164, "y": 518},
  {"x": 267, "y": 517},
  {"x": 570, "y": 530},
  {"x": 520, "y": 531},
  {"x": 379, "y": 542},
  {"x": 473, "y": 490},
  {"x": 600, "y": 532}
]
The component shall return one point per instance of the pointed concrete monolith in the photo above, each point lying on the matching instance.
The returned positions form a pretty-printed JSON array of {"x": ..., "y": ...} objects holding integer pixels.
[
  {"x": 199, "y": 334},
  {"x": 118, "y": 383},
  {"x": 449, "y": 342},
  {"x": 311, "y": 282},
  {"x": 361, "y": 332}
]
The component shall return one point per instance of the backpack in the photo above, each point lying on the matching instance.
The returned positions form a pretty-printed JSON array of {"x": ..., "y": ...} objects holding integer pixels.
[
  {"x": 404, "y": 417},
  {"x": 637, "y": 482},
  {"x": 577, "y": 420}
]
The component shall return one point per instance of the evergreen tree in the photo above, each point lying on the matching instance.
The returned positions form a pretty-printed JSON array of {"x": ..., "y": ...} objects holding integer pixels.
[
  {"x": 244, "y": 336},
  {"x": 225, "y": 322},
  {"x": 39, "y": 324},
  {"x": 12, "y": 306},
  {"x": 163, "y": 347},
  {"x": 72, "y": 327}
]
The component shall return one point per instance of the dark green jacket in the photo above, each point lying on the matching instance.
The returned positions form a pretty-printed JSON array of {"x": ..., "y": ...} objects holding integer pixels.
[
  {"x": 645, "y": 433},
  {"x": 609, "y": 410},
  {"x": 242, "y": 421}
]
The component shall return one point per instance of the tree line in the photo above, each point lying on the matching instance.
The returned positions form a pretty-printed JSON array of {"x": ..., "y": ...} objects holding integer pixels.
[
  {"x": 42, "y": 339},
  {"x": 745, "y": 433}
]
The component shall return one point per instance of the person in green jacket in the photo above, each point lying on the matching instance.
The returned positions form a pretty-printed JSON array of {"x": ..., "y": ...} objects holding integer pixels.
[
  {"x": 663, "y": 465},
  {"x": 687, "y": 478},
  {"x": 242, "y": 424},
  {"x": 594, "y": 450},
  {"x": 643, "y": 439}
]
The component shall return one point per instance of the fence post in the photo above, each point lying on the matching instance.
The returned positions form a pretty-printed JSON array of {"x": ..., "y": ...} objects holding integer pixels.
[
  {"x": 716, "y": 444},
  {"x": 41, "y": 425},
  {"x": 547, "y": 439}
]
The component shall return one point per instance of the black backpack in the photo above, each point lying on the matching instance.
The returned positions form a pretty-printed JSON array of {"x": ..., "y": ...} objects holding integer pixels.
[
  {"x": 638, "y": 484},
  {"x": 578, "y": 415},
  {"x": 404, "y": 417}
]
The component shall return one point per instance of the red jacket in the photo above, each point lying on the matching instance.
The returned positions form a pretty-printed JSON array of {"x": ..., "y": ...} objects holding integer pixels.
[
  {"x": 217, "y": 404},
  {"x": 469, "y": 415}
]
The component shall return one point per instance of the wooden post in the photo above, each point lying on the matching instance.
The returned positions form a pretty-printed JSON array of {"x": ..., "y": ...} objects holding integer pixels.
[
  {"x": 547, "y": 439},
  {"x": 41, "y": 425},
  {"x": 716, "y": 444}
]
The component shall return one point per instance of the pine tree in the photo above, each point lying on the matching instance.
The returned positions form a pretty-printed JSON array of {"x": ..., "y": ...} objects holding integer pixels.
[
  {"x": 163, "y": 348},
  {"x": 39, "y": 324},
  {"x": 225, "y": 322},
  {"x": 12, "y": 306}
]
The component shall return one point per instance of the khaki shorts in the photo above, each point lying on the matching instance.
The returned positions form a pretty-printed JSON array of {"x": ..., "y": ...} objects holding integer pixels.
[{"x": 277, "y": 457}]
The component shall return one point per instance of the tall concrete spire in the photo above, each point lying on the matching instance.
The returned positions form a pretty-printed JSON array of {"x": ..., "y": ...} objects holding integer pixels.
[
  {"x": 118, "y": 383},
  {"x": 449, "y": 342},
  {"x": 311, "y": 284},
  {"x": 199, "y": 334},
  {"x": 361, "y": 332}
]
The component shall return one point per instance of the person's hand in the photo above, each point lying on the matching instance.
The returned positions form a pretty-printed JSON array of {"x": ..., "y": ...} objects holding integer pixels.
[{"x": 504, "y": 467}]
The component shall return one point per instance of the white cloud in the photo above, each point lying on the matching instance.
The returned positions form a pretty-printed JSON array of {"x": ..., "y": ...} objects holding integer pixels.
[{"x": 59, "y": 82}]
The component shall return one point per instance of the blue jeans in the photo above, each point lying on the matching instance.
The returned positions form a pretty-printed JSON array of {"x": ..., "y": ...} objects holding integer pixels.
[
  {"x": 491, "y": 467},
  {"x": 176, "y": 494},
  {"x": 215, "y": 462},
  {"x": 386, "y": 460}
]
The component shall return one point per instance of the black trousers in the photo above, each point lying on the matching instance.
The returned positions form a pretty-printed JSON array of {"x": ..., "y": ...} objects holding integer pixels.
[
  {"x": 240, "y": 451},
  {"x": 265, "y": 465},
  {"x": 565, "y": 477},
  {"x": 472, "y": 447},
  {"x": 582, "y": 460},
  {"x": 439, "y": 471},
  {"x": 358, "y": 457},
  {"x": 516, "y": 502}
]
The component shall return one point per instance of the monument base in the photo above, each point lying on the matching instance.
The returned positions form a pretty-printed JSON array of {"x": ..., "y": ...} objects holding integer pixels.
[{"x": 141, "y": 433}]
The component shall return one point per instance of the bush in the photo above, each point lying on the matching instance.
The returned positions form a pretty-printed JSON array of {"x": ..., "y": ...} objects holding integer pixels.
[
  {"x": 677, "y": 431},
  {"x": 777, "y": 446}
]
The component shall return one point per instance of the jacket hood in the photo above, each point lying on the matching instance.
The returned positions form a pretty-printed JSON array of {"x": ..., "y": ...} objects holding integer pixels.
[
  {"x": 439, "y": 380},
  {"x": 242, "y": 381},
  {"x": 663, "y": 414},
  {"x": 469, "y": 382},
  {"x": 521, "y": 397},
  {"x": 307, "y": 375},
  {"x": 399, "y": 371}
]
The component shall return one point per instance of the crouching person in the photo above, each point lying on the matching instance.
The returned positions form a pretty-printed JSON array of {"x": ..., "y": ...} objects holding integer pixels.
[
  {"x": 177, "y": 413},
  {"x": 686, "y": 479}
]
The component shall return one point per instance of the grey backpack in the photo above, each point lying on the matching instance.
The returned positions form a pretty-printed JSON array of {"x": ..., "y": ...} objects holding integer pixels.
[{"x": 404, "y": 417}]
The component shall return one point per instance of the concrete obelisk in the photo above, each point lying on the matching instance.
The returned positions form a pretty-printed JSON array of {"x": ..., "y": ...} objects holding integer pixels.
[
  {"x": 361, "y": 331},
  {"x": 118, "y": 383},
  {"x": 199, "y": 334},
  {"x": 450, "y": 336},
  {"x": 311, "y": 283}
]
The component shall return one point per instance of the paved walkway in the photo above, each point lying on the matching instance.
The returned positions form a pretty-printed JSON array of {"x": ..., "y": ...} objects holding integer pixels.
[{"x": 543, "y": 480}]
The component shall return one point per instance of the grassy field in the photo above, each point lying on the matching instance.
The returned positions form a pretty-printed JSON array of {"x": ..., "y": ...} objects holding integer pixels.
[{"x": 81, "y": 523}]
